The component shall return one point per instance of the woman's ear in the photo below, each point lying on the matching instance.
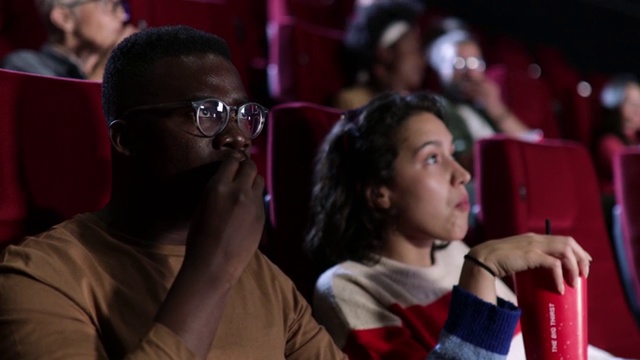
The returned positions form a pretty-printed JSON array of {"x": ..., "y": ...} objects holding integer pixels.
[
  {"x": 379, "y": 197},
  {"x": 62, "y": 18},
  {"x": 120, "y": 136},
  {"x": 385, "y": 56}
]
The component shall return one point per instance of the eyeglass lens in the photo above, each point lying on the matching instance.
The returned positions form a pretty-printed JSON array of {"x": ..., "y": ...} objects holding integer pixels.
[
  {"x": 212, "y": 116},
  {"x": 470, "y": 63}
]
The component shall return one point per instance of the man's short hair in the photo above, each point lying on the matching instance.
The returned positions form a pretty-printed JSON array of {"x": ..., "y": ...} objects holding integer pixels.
[
  {"x": 368, "y": 27},
  {"x": 128, "y": 68}
]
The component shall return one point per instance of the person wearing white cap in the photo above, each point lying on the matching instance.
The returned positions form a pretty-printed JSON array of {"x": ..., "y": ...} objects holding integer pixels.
[{"x": 384, "y": 44}]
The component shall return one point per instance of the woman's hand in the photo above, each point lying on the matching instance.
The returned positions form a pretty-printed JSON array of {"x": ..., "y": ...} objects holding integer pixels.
[{"x": 561, "y": 254}]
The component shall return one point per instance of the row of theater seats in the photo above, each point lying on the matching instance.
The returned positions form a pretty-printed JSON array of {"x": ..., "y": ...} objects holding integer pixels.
[
  {"x": 290, "y": 50},
  {"x": 55, "y": 162}
]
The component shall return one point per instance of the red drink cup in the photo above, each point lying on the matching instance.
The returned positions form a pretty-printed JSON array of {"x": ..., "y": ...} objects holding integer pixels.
[{"x": 554, "y": 326}]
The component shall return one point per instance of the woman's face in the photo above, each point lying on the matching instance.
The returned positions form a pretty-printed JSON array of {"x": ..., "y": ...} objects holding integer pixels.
[
  {"x": 630, "y": 107},
  {"x": 408, "y": 66},
  {"x": 427, "y": 196}
]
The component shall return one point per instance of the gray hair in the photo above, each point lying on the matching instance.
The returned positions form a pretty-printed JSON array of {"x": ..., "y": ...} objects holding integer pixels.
[
  {"x": 45, "y": 7},
  {"x": 613, "y": 91},
  {"x": 442, "y": 52}
]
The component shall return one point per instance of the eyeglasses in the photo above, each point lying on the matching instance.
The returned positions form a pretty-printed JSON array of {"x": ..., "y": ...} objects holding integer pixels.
[
  {"x": 112, "y": 5},
  {"x": 470, "y": 63},
  {"x": 212, "y": 115}
]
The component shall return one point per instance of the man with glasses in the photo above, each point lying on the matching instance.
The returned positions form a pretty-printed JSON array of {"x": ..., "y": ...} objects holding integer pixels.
[
  {"x": 81, "y": 35},
  {"x": 169, "y": 269},
  {"x": 476, "y": 108}
]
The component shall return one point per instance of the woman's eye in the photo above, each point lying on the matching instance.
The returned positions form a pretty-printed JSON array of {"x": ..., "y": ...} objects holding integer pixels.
[
  {"x": 432, "y": 159},
  {"x": 205, "y": 112}
]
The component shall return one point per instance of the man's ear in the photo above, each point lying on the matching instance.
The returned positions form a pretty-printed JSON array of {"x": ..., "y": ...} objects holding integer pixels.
[
  {"x": 62, "y": 18},
  {"x": 121, "y": 137},
  {"x": 378, "y": 197}
]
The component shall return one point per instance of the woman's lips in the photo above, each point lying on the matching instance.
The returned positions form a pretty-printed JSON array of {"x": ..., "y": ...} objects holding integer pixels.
[{"x": 463, "y": 204}]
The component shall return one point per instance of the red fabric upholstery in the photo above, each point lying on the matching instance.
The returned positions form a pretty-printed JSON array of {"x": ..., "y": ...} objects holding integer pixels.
[
  {"x": 330, "y": 14},
  {"x": 520, "y": 184},
  {"x": 64, "y": 148},
  {"x": 20, "y": 26},
  {"x": 576, "y": 115},
  {"x": 626, "y": 172},
  {"x": 529, "y": 98},
  {"x": 241, "y": 23},
  {"x": 296, "y": 131},
  {"x": 13, "y": 202},
  {"x": 304, "y": 62},
  {"x": 54, "y": 152},
  {"x": 509, "y": 52}
]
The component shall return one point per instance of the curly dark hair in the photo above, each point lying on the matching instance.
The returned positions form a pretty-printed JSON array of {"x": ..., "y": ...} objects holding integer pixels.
[
  {"x": 356, "y": 156},
  {"x": 128, "y": 68}
]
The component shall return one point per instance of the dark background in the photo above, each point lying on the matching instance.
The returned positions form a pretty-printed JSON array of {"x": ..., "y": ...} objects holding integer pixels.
[{"x": 595, "y": 35}]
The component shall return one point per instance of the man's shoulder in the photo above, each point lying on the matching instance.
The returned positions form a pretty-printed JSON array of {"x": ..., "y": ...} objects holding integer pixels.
[{"x": 58, "y": 248}]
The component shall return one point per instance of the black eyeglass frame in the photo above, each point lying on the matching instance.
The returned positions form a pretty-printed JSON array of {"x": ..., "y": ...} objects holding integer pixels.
[{"x": 196, "y": 106}]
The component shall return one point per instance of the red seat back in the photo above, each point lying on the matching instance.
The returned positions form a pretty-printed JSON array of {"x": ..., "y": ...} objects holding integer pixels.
[
  {"x": 529, "y": 98},
  {"x": 241, "y": 23},
  {"x": 576, "y": 115},
  {"x": 20, "y": 26},
  {"x": 13, "y": 202},
  {"x": 64, "y": 148},
  {"x": 626, "y": 174},
  {"x": 520, "y": 184},
  {"x": 326, "y": 13},
  {"x": 296, "y": 131},
  {"x": 304, "y": 62}
]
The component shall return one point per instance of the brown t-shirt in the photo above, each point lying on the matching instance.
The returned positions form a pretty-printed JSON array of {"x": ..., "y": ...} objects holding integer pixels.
[{"x": 80, "y": 291}]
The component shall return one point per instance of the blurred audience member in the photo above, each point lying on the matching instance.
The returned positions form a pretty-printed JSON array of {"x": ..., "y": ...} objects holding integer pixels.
[
  {"x": 620, "y": 126},
  {"x": 81, "y": 35},
  {"x": 384, "y": 46},
  {"x": 473, "y": 97}
]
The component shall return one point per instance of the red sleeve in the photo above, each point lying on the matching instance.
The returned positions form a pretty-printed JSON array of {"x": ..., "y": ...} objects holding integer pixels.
[{"x": 387, "y": 343}]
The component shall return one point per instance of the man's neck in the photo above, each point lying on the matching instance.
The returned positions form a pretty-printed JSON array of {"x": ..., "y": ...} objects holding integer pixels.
[{"x": 146, "y": 220}]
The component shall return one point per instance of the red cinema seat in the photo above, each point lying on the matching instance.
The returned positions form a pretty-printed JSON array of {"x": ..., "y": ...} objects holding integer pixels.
[
  {"x": 296, "y": 131},
  {"x": 626, "y": 175},
  {"x": 64, "y": 148},
  {"x": 241, "y": 23},
  {"x": 326, "y": 13},
  {"x": 13, "y": 201},
  {"x": 528, "y": 98},
  {"x": 20, "y": 26},
  {"x": 572, "y": 93},
  {"x": 509, "y": 52},
  {"x": 520, "y": 184},
  {"x": 304, "y": 62}
]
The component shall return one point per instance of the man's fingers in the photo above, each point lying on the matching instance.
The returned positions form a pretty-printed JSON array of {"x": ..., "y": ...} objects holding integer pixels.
[
  {"x": 246, "y": 174},
  {"x": 227, "y": 170}
]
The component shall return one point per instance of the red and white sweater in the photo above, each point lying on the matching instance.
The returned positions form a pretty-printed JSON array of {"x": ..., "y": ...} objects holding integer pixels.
[{"x": 392, "y": 310}]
